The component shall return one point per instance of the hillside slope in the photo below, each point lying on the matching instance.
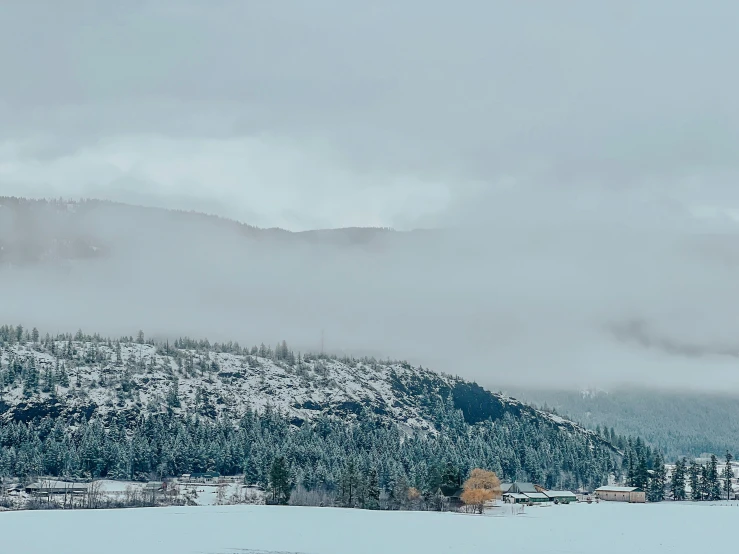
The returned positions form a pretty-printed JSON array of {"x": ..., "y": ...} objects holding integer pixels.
[{"x": 89, "y": 375}]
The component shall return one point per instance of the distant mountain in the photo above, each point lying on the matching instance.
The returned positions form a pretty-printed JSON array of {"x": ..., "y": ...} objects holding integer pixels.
[
  {"x": 678, "y": 423},
  {"x": 35, "y": 231}
]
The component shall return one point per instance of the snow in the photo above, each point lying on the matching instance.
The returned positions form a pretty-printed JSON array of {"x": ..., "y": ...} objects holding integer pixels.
[
  {"x": 242, "y": 382},
  {"x": 575, "y": 529}
]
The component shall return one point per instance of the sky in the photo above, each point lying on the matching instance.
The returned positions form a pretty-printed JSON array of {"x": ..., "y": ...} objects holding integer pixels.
[
  {"x": 334, "y": 113},
  {"x": 582, "y": 155}
]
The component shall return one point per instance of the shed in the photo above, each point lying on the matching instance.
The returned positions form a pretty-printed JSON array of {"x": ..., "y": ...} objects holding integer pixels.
[
  {"x": 621, "y": 494},
  {"x": 537, "y": 497},
  {"x": 205, "y": 477},
  {"x": 564, "y": 497},
  {"x": 453, "y": 494},
  {"x": 52, "y": 486},
  {"x": 515, "y": 498}
]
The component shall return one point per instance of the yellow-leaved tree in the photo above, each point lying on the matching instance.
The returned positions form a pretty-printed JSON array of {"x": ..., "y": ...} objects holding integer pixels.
[{"x": 481, "y": 487}]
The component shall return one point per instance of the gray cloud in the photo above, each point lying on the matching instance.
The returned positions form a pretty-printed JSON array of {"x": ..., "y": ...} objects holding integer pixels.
[
  {"x": 584, "y": 154},
  {"x": 409, "y": 104}
]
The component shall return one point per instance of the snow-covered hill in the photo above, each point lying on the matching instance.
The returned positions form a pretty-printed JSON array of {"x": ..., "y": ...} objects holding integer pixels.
[{"x": 89, "y": 374}]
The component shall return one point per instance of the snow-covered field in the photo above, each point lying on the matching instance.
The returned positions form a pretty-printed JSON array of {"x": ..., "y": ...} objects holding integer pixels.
[{"x": 603, "y": 528}]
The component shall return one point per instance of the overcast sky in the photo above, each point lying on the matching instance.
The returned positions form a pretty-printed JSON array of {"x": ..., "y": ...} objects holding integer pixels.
[
  {"x": 333, "y": 113},
  {"x": 593, "y": 146}
]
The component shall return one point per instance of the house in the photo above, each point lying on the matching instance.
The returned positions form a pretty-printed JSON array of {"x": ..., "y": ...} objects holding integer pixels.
[
  {"x": 451, "y": 494},
  {"x": 51, "y": 486},
  {"x": 206, "y": 477},
  {"x": 560, "y": 497},
  {"x": 524, "y": 493},
  {"x": 621, "y": 494},
  {"x": 155, "y": 486}
]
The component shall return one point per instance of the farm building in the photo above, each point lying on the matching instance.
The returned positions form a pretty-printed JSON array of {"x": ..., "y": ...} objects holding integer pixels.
[
  {"x": 206, "y": 477},
  {"x": 515, "y": 498},
  {"x": 51, "y": 486},
  {"x": 522, "y": 488},
  {"x": 155, "y": 486},
  {"x": 562, "y": 497},
  {"x": 452, "y": 494},
  {"x": 528, "y": 493},
  {"x": 537, "y": 497},
  {"x": 621, "y": 494},
  {"x": 525, "y": 493}
]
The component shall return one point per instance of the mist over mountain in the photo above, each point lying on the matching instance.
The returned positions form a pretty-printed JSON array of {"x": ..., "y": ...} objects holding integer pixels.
[
  {"x": 546, "y": 304},
  {"x": 677, "y": 422}
]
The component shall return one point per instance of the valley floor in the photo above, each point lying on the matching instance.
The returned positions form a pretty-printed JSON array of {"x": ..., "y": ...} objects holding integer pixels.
[{"x": 581, "y": 528}]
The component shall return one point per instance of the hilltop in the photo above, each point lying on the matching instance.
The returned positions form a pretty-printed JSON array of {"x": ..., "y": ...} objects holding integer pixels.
[{"x": 80, "y": 374}]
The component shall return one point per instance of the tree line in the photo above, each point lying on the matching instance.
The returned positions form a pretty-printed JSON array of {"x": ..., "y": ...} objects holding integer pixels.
[{"x": 346, "y": 463}]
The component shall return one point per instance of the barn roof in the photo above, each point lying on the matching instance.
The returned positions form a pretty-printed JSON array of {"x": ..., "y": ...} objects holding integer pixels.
[
  {"x": 525, "y": 487},
  {"x": 618, "y": 489},
  {"x": 559, "y": 494}
]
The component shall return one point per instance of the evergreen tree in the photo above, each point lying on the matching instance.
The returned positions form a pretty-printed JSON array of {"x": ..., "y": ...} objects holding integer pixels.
[
  {"x": 349, "y": 485},
  {"x": 31, "y": 378},
  {"x": 279, "y": 480},
  {"x": 714, "y": 482},
  {"x": 173, "y": 395},
  {"x": 677, "y": 483},
  {"x": 641, "y": 473},
  {"x": 694, "y": 474},
  {"x": 62, "y": 377},
  {"x": 705, "y": 484},
  {"x": 373, "y": 491},
  {"x": 399, "y": 492},
  {"x": 727, "y": 475},
  {"x": 656, "y": 492}
]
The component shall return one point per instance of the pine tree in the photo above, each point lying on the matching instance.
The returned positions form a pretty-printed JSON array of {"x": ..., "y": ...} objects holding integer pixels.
[
  {"x": 31, "y": 379},
  {"x": 677, "y": 483},
  {"x": 694, "y": 473},
  {"x": 173, "y": 395},
  {"x": 349, "y": 484},
  {"x": 279, "y": 480},
  {"x": 714, "y": 483},
  {"x": 656, "y": 492},
  {"x": 641, "y": 473},
  {"x": 373, "y": 491},
  {"x": 705, "y": 484},
  {"x": 399, "y": 492},
  {"x": 727, "y": 475},
  {"x": 48, "y": 380},
  {"x": 62, "y": 377}
]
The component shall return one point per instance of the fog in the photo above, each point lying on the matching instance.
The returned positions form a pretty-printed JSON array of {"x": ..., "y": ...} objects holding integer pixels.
[
  {"x": 566, "y": 305},
  {"x": 562, "y": 179}
]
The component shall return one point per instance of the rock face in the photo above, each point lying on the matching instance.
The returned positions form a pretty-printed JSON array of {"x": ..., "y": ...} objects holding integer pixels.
[{"x": 90, "y": 375}]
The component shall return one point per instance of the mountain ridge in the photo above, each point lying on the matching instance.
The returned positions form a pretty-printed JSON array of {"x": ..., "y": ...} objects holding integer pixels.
[{"x": 88, "y": 375}]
